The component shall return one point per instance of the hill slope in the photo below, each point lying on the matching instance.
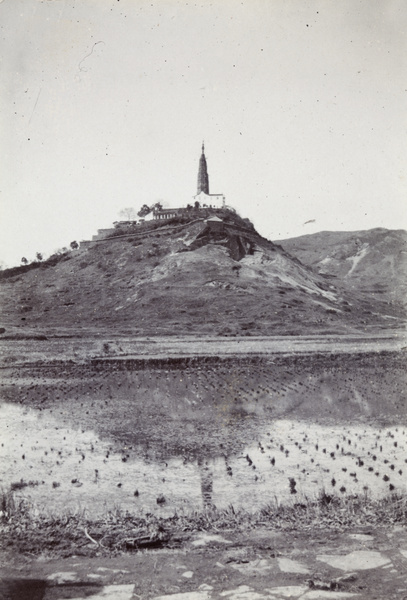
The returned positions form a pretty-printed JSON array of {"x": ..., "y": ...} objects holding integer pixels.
[
  {"x": 184, "y": 276},
  {"x": 373, "y": 262}
]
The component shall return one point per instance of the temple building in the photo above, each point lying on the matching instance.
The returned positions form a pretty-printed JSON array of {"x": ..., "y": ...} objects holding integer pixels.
[
  {"x": 202, "y": 199},
  {"x": 203, "y": 196}
]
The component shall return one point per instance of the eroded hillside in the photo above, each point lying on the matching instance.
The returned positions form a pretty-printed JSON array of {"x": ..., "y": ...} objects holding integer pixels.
[
  {"x": 186, "y": 276},
  {"x": 373, "y": 262}
]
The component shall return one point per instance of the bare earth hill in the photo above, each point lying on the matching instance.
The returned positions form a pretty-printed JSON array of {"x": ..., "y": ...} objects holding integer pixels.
[
  {"x": 373, "y": 262},
  {"x": 193, "y": 275}
]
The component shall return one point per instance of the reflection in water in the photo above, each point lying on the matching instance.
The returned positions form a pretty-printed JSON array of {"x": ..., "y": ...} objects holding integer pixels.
[
  {"x": 211, "y": 409},
  {"x": 243, "y": 432},
  {"x": 55, "y": 467},
  {"x": 206, "y": 482}
]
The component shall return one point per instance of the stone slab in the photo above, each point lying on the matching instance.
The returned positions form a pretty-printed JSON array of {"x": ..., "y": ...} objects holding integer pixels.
[{"x": 356, "y": 561}]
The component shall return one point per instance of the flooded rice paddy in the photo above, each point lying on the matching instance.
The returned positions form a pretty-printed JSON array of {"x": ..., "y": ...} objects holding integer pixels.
[{"x": 178, "y": 436}]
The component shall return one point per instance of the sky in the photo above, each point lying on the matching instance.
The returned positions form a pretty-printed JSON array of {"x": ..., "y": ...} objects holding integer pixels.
[{"x": 105, "y": 104}]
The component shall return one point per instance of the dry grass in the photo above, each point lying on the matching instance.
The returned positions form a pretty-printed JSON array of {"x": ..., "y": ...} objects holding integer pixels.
[{"x": 25, "y": 530}]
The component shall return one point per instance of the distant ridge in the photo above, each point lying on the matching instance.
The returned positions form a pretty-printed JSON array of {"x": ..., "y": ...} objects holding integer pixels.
[{"x": 373, "y": 262}]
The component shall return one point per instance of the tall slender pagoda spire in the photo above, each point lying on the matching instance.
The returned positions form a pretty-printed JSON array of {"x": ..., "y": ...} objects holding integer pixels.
[{"x": 203, "y": 179}]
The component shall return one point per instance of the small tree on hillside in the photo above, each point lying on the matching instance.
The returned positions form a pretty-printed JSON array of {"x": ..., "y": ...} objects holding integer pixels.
[
  {"x": 144, "y": 211},
  {"x": 24, "y": 261},
  {"x": 128, "y": 213},
  {"x": 74, "y": 245},
  {"x": 157, "y": 206},
  {"x": 39, "y": 256}
]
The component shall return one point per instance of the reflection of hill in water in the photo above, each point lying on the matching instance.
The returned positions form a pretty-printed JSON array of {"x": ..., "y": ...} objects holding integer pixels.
[
  {"x": 235, "y": 431},
  {"x": 63, "y": 469},
  {"x": 215, "y": 409}
]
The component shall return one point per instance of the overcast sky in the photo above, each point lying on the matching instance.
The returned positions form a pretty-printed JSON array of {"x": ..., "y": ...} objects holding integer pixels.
[{"x": 105, "y": 103}]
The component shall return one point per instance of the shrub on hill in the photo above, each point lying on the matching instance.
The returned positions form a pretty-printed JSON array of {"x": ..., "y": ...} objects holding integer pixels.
[
  {"x": 53, "y": 260},
  {"x": 7, "y": 273}
]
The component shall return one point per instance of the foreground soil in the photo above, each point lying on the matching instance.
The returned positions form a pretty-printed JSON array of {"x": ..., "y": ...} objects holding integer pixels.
[{"x": 260, "y": 564}]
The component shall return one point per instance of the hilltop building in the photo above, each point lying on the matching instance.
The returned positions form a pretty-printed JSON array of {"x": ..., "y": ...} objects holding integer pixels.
[
  {"x": 203, "y": 196},
  {"x": 202, "y": 199},
  {"x": 205, "y": 207}
]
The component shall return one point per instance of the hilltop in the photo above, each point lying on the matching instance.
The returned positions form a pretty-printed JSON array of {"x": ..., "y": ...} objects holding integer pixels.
[{"x": 196, "y": 274}]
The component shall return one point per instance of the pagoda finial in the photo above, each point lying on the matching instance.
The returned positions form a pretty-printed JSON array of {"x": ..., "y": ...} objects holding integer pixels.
[{"x": 203, "y": 147}]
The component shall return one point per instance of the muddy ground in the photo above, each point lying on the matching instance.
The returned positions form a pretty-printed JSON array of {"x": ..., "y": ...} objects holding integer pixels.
[{"x": 261, "y": 564}]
